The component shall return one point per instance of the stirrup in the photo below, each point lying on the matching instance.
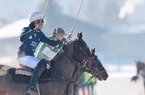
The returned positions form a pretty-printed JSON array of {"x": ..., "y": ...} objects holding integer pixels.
[
  {"x": 32, "y": 88},
  {"x": 27, "y": 93},
  {"x": 30, "y": 91}
]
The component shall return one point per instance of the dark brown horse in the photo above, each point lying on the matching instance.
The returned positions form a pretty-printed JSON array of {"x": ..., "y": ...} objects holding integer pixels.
[
  {"x": 140, "y": 66},
  {"x": 67, "y": 67}
]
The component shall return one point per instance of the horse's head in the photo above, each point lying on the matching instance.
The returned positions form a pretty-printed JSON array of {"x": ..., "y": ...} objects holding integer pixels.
[
  {"x": 78, "y": 51},
  {"x": 140, "y": 66},
  {"x": 95, "y": 67}
]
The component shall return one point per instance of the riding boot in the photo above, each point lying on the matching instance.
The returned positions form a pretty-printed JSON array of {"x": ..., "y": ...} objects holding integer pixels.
[{"x": 39, "y": 69}]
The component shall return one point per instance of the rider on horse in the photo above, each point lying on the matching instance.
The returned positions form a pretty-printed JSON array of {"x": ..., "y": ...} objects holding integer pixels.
[{"x": 30, "y": 37}]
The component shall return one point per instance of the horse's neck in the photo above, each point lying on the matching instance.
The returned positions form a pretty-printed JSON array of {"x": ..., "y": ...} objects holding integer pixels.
[
  {"x": 77, "y": 75},
  {"x": 64, "y": 65}
]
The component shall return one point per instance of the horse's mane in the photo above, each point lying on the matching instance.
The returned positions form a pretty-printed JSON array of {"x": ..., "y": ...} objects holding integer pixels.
[{"x": 62, "y": 52}]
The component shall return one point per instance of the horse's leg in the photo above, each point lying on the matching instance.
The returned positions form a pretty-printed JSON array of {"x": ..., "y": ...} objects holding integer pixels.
[
  {"x": 75, "y": 90},
  {"x": 54, "y": 87}
]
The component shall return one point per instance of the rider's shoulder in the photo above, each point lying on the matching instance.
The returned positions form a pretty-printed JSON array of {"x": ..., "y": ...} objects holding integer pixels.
[{"x": 26, "y": 29}]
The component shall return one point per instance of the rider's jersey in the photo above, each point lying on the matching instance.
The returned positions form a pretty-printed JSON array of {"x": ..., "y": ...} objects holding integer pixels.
[
  {"x": 46, "y": 51},
  {"x": 30, "y": 40}
]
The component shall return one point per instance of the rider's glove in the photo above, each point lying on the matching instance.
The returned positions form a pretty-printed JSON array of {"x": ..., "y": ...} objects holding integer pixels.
[{"x": 69, "y": 36}]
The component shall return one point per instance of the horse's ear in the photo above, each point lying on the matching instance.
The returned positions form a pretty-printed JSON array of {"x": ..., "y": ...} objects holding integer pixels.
[
  {"x": 80, "y": 36},
  {"x": 136, "y": 61},
  {"x": 93, "y": 51}
]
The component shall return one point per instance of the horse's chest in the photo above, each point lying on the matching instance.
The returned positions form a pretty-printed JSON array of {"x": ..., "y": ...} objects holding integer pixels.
[{"x": 143, "y": 73}]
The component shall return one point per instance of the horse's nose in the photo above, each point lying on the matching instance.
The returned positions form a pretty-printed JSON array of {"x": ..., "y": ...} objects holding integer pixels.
[{"x": 105, "y": 76}]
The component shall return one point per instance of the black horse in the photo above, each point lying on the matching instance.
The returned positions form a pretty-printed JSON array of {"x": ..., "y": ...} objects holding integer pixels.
[
  {"x": 67, "y": 67},
  {"x": 140, "y": 66}
]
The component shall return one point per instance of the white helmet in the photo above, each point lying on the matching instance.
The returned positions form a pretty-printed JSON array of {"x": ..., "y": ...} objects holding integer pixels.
[{"x": 35, "y": 16}]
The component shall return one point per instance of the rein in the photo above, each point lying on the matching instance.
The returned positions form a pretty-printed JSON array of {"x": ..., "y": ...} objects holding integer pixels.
[
  {"x": 79, "y": 64},
  {"x": 86, "y": 82}
]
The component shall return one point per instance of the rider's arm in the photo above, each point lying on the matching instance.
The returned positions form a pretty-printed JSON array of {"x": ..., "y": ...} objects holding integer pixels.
[{"x": 49, "y": 41}]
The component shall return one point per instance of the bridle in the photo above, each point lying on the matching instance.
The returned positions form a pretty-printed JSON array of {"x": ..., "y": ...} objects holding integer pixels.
[
  {"x": 80, "y": 64},
  {"x": 86, "y": 58},
  {"x": 80, "y": 68}
]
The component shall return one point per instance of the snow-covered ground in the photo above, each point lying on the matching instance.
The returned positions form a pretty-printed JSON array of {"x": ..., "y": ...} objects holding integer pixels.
[{"x": 120, "y": 85}]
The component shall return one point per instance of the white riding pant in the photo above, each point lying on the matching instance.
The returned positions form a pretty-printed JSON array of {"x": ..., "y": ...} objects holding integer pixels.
[{"x": 29, "y": 61}]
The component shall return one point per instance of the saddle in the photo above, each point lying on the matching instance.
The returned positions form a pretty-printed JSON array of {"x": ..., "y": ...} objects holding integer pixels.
[{"x": 23, "y": 75}]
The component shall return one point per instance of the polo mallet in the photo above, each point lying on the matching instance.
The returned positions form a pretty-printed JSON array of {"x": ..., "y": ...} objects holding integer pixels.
[{"x": 74, "y": 23}]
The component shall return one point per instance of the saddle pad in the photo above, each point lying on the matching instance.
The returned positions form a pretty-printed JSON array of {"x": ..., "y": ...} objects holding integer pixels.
[
  {"x": 22, "y": 71},
  {"x": 23, "y": 76}
]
